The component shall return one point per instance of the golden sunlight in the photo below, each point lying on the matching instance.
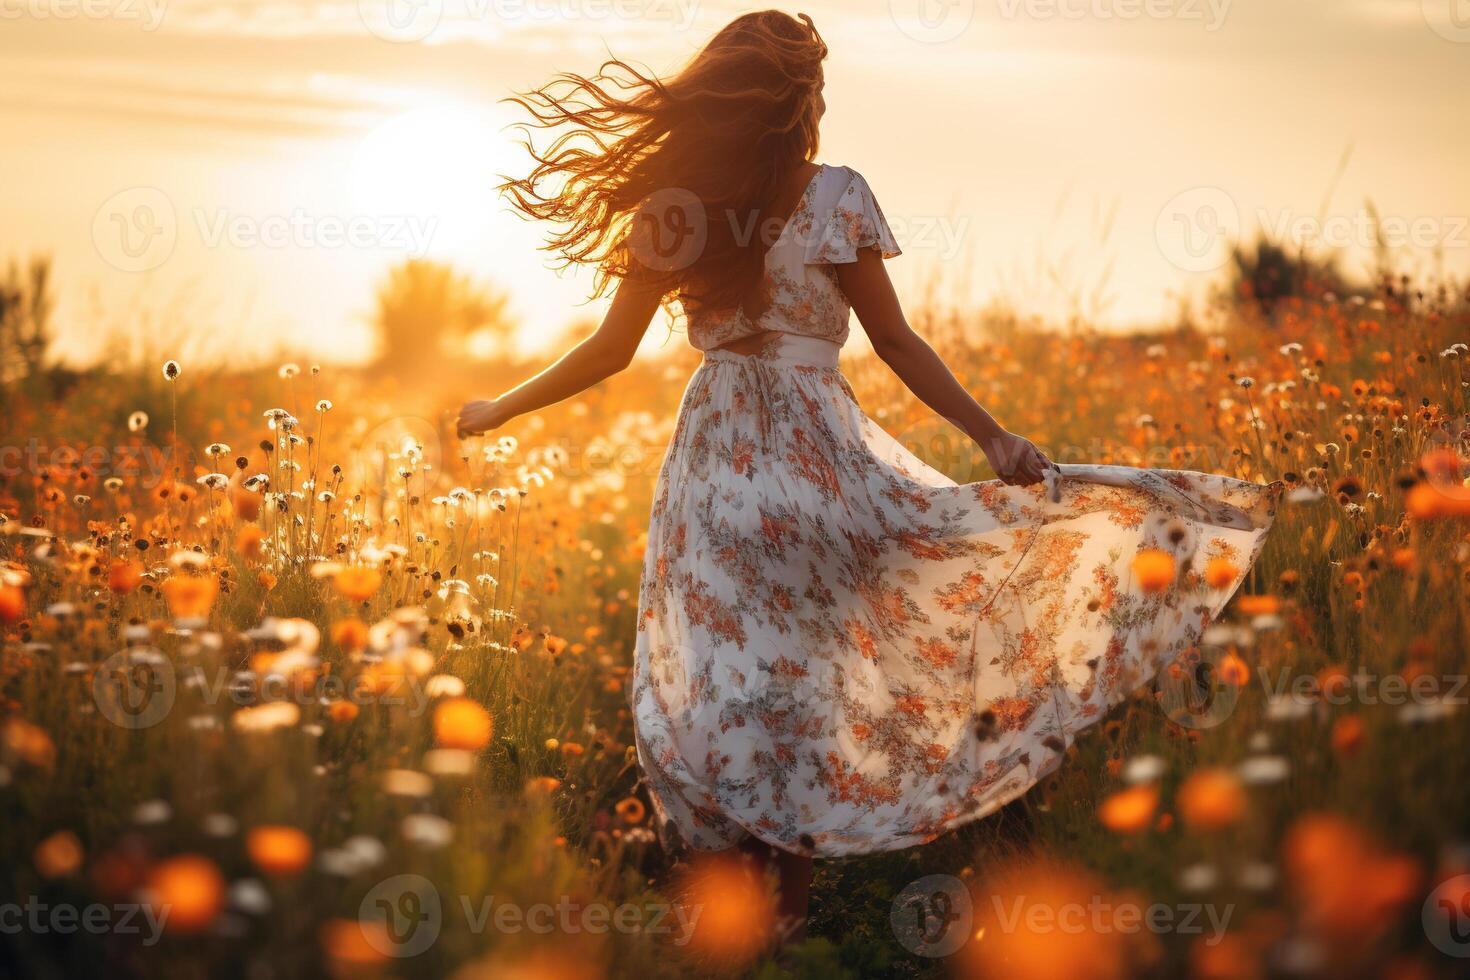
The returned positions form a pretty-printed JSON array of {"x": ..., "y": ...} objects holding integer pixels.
[{"x": 435, "y": 164}]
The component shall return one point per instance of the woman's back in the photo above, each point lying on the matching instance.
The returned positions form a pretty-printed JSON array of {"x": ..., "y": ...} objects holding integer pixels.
[{"x": 836, "y": 216}]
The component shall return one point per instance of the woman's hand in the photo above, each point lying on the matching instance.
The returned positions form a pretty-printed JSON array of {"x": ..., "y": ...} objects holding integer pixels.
[
  {"x": 479, "y": 417},
  {"x": 1016, "y": 460}
]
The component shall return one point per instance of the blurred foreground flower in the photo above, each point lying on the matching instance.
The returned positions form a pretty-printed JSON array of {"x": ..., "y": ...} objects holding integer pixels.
[
  {"x": 1349, "y": 889},
  {"x": 1154, "y": 569},
  {"x": 189, "y": 890},
  {"x": 190, "y": 596},
  {"x": 460, "y": 723},
  {"x": 12, "y": 604},
  {"x": 278, "y": 850},
  {"x": 358, "y": 583},
  {"x": 124, "y": 575},
  {"x": 1211, "y": 799},
  {"x": 1129, "y": 811},
  {"x": 737, "y": 917},
  {"x": 59, "y": 855},
  {"x": 1035, "y": 925}
]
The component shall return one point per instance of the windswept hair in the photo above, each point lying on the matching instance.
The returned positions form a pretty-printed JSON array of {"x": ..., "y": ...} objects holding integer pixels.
[{"x": 669, "y": 180}]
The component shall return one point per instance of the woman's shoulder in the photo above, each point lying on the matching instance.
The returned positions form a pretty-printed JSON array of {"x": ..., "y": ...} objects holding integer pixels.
[
  {"x": 839, "y": 176},
  {"x": 848, "y": 218}
]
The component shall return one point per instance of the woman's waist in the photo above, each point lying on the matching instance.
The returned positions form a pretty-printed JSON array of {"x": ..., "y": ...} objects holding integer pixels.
[{"x": 777, "y": 347}]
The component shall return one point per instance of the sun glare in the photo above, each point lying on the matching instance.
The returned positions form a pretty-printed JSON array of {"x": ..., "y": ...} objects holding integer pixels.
[{"x": 435, "y": 164}]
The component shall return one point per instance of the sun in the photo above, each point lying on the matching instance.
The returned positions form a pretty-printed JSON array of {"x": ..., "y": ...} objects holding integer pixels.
[{"x": 435, "y": 163}]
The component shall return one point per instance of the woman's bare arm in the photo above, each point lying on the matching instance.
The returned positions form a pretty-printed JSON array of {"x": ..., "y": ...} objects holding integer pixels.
[
  {"x": 609, "y": 350},
  {"x": 867, "y": 286}
]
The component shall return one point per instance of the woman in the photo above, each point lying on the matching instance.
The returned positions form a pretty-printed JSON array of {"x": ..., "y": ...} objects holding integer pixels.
[{"x": 840, "y": 650}]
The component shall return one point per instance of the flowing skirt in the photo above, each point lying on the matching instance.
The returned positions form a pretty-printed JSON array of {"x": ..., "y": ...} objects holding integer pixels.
[{"x": 842, "y": 651}]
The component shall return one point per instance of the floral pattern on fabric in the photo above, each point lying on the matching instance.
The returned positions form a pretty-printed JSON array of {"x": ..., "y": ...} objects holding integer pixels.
[
  {"x": 841, "y": 651},
  {"x": 835, "y": 218}
]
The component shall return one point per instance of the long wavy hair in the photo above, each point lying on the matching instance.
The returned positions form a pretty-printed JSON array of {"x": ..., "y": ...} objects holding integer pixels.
[{"x": 671, "y": 181}]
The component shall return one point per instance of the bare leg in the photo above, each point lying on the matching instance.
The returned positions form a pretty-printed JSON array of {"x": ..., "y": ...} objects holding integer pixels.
[
  {"x": 795, "y": 874},
  {"x": 793, "y": 884}
]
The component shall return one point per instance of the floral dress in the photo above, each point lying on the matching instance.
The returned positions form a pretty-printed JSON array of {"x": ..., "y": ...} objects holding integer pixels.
[{"x": 842, "y": 651}]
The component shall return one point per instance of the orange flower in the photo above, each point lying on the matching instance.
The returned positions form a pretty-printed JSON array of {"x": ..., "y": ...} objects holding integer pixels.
[
  {"x": 278, "y": 850},
  {"x": 358, "y": 583},
  {"x": 460, "y": 723},
  {"x": 245, "y": 504},
  {"x": 247, "y": 541},
  {"x": 190, "y": 596},
  {"x": 188, "y": 889},
  {"x": 1233, "y": 670},
  {"x": 12, "y": 604},
  {"x": 1131, "y": 810},
  {"x": 1027, "y": 927},
  {"x": 555, "y": 645},
  {"x": 1154, "y": 569},
  {"x": 630, "y": 810},
  {"x": 1350, "y": 890},
  {"x": 123, "y": 575},
  {"x": 1347, "y": 735},
  {"x": 59, "y": 855},
  {"x": 1230, "y": 957},
  {"x": 342, "y": 711},
  {"x": 1258, "y": 605},
  {"x": 572, "y": 749},
  {"x": 29, "y": 742},
  {"x": 1441, "y": 464},
  {"x": 1211, "y": 799},
  {"x": 1221, "y": 573},
  {"x": 1334, "y": 683},
  {"x": 349, "y": 634},
  {"x": 738, "y": 912},
  {"x": 1428, "y": 502},
  {"x": 353, "y": 944},
  {"x": 540, "y": 787}
]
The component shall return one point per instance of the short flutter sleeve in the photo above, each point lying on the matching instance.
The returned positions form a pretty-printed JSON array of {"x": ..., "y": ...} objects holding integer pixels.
[{"x": 847, "y": 218}]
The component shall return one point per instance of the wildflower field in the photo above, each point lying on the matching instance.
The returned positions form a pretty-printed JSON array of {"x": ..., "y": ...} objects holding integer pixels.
[{"x": 293, "y": 683}]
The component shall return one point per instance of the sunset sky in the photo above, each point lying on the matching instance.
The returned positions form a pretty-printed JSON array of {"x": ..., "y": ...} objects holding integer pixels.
[{"x": 241, "y": 173}]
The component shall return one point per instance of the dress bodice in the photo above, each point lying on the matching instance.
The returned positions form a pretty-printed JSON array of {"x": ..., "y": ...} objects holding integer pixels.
[{"x": 836, "y": 216}]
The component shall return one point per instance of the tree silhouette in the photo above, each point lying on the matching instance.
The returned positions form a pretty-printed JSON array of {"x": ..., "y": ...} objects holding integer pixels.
[
  {"x": 25, "y": 320},
  {"x": 1267, "y": 273},
  {"x": 428, "y": 310}
]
